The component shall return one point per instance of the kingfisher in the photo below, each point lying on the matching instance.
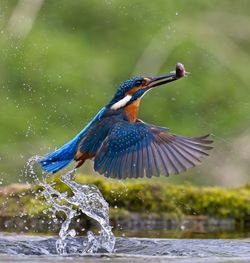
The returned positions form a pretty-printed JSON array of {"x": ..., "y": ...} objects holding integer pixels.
[{"x": 123, "y": 146}]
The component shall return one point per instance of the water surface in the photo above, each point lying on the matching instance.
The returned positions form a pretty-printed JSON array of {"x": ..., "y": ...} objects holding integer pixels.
[{"x": 24, "y": 248}]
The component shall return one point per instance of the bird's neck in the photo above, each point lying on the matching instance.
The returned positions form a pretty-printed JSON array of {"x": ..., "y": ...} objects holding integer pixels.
[{"x": 132, "y": 110}]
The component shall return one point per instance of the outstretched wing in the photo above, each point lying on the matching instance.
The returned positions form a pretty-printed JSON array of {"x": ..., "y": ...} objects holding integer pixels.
[{"x": 133, "y": 150}]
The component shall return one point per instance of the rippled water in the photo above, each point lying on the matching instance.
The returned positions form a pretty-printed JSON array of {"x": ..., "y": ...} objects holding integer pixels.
[{"x": 38, "y": 249}]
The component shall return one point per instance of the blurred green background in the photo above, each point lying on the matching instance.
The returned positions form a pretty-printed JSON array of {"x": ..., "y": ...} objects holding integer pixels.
[{"x": 61, "y": 61}]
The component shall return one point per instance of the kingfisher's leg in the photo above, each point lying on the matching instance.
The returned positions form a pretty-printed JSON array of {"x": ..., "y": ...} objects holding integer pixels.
[
  {"x": 80, "y": 163},
  {"x": 82, "y": 158}
]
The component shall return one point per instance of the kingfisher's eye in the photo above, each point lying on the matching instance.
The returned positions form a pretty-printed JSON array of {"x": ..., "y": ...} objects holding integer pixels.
[{"x": 139, "y": 82}]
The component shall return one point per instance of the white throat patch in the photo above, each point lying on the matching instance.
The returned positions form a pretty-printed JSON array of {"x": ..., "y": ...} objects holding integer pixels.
[{"x": 119, "y": 104}]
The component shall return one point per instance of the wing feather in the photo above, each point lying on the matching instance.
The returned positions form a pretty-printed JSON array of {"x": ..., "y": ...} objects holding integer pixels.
[
  {"x": 123, "y": 166},
  {"x": 174, "y": 164},
  {"x": 114, "y": 168},
  {"x": 155, "y": 166},
  {"x": 142, "y": 161},
  {"x": 178, "y": 159},
  {"x": 186, "y": 161},
  {"x": 110, "y": 165},
  {"x": 102, "y": 165},
  {"x": 120, "y": 162},
  {"x": 145, "y": 160},
  {"x": 128, "y": 164},
  {"x": 157, "y": 159},
  {"x": 138, "y": 163},
  {"x": 133, "y": 162},
  {"x": 149, "y": 159},
  {"x": 166, "y": 168}
]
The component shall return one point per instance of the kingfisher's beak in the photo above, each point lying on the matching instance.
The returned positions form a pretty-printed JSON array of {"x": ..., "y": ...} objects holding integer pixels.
[{"x": 163, "y": 79}]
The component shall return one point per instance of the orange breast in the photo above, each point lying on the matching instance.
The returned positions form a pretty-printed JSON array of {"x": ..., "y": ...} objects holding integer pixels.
[{"x": 132, "y": 110}]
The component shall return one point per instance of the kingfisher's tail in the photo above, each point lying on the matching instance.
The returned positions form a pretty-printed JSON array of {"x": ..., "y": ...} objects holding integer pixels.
[{"x": 60, "y": 158}]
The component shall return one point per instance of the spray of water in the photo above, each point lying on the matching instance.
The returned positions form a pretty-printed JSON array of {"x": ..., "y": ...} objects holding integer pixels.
[{"x": 86, "y": 198}]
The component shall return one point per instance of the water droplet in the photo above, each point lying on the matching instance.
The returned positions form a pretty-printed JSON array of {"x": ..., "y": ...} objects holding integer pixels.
[{"x": 182, "y": 227}]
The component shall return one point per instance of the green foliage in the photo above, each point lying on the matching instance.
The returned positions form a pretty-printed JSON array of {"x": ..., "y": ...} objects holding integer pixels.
[{"x": 53, "y": 80}]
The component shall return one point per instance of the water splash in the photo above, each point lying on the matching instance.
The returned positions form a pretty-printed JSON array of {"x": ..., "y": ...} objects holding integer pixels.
[
  {"x": 85, "y": 198},
  {"x": 30, "y": 168}
]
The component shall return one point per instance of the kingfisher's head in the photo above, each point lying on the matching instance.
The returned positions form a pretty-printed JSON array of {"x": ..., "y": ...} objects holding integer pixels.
[{"x": 134, "y": 88}]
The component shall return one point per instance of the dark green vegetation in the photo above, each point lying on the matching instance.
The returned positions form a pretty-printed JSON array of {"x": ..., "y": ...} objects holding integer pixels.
[
  {"x": 143, "y": 199},
  {"x": 56, "y": 76}
]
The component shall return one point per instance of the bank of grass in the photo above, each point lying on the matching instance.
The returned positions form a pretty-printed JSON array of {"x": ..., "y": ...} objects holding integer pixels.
[{"x": 145, "y": 197}]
